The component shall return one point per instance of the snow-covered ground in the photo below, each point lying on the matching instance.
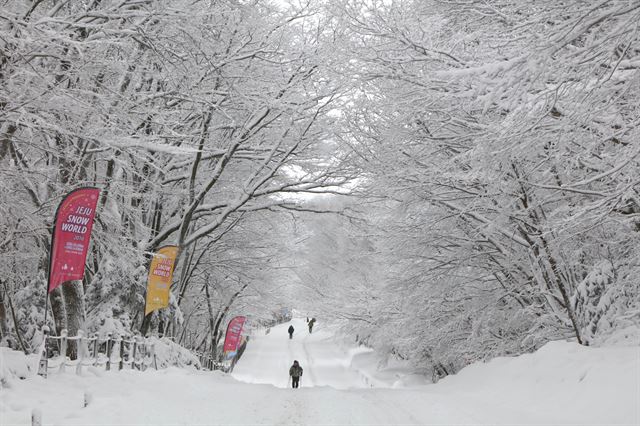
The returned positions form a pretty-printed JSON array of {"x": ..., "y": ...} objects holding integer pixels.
[
  {"x": 562, "y": 383},
  {"x": 325, "y": 362}
]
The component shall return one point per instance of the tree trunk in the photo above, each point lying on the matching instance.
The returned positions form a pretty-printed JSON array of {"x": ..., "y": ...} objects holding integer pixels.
[
  {"x": 5, "y": 331},
  {"x": 216, "y": 335},
  {"x": 5, "y": 140},
  {"x": 4, "y": 324},
  {"x": 563, "y": 291},
  {"x": 58, "y": 310},
  {"x": 161, "y": 327},
  {"x": 146, "y": 322},
  {"x": 16, "y": 327},
  {"x": 212, "y": 324},
  {"x": 73, "y": 296}
]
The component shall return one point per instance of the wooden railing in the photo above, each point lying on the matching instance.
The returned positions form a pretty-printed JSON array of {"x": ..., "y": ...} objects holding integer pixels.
[
  {"x": 109, "y": 352},
  {"x": 112, "y": 352}
]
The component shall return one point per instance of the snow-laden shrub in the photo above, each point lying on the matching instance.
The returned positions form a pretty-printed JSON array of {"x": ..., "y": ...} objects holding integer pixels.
[
  {"x": 15, "y": 365},
  {"x": 607, "y": 303},
  {"x": 593, "y": 298},
  {"x": 169, "y": 353}
]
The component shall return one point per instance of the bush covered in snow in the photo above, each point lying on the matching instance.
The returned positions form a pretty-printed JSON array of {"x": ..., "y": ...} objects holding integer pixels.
[
  {"x": 16, "y": 365},
  {"x": 169, "y": 353}
]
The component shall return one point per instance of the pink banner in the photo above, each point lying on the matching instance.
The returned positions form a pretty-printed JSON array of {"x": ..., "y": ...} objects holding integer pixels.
[
  {"x": 234, "y": 330},
  {"x": 71, "y": 234}
]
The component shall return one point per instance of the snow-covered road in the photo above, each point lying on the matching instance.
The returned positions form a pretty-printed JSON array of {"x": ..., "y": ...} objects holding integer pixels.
[
  {"x": 563, "y": 383},
  {"x": 269, "y": 357}
]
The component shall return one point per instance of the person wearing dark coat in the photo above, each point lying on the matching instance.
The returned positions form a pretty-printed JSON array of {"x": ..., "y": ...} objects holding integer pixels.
[
  {"x": 295, "y": 372},
  {"x": 291, "y": 332},
  {"x": 313, "y": 321}
]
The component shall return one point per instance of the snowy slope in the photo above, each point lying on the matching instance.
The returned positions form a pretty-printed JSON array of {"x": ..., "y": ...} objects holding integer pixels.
[{"x": 563, "y": 383}]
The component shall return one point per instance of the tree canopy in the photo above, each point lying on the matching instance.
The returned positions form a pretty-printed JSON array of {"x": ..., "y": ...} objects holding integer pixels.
[{"x": 455, "y": 180}]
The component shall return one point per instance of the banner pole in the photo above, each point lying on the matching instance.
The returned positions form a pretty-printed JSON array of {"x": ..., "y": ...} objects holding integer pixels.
[
  {"x": 46, "y": 307},
  {"x": 46, "y": 293}
]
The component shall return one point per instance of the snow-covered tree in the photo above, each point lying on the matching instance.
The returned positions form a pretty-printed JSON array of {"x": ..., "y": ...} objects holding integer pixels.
[{"x": 501, "y": 134}]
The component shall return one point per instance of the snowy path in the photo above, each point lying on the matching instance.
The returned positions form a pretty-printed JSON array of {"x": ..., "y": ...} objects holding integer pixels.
[
  {"x": 268, "y": 358},
  {"x": 562, "y": 383}
]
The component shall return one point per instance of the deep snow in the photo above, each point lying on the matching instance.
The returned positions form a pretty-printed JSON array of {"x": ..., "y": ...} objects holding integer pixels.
[{"x": 562, "y": 383}]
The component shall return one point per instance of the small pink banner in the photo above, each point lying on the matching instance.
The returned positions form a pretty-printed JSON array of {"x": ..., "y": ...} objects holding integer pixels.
[{"x": 234, "y": 331}]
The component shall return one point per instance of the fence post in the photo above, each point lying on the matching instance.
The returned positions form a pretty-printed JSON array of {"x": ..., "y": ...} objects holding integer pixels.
[
  {"x": 121, "y": 362},
  {"x": 63, "y": 349},
  {"x": 129, "y": 342},
  {"x": 81, "y": 352},
  {"x": 88, "y": 397},
  {"x": 133, "y": 357},
  {"x": 95, "y": 348},
  {"x": 153, "y": 354},
  {"x": 36, "y": 417},
  {"x": 144, "y": 353},
  {"x": 115, "y": 350},
  {"x": 108, "y": 364},
  {"x": 43, "y": 364}
]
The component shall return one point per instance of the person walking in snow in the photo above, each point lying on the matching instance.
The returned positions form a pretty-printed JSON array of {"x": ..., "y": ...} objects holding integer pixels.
[
  {"x": 291, "y": 332},
  {"x": 313, "y": 320},
  {"x": 295, "y": 372}
]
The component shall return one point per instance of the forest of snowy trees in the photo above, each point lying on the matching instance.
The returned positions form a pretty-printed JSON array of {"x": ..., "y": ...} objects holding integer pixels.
[{"x": 455, "y": 179}]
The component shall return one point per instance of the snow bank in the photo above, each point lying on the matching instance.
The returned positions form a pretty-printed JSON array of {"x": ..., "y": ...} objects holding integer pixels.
[
  {"x": 393, "y": 374},
  {"x": 566, "y": 380},
  {"x": 563, "y": 383}
]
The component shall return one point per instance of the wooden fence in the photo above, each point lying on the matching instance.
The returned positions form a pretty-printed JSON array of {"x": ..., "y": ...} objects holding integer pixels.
[
  {"x": 112, "y": 352},
  {"x": 109, "y": 352}
]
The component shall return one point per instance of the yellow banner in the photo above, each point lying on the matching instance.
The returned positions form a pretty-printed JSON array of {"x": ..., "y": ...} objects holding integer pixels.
[{"x": 160, "y": 275}]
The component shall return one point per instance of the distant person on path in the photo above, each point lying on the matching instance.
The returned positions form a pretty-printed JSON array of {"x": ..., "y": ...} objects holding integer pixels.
[
  {"x": 291, "y": 332},
  {"x": 313, "y": 320},
  {"x": 295, "y": 372}
]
